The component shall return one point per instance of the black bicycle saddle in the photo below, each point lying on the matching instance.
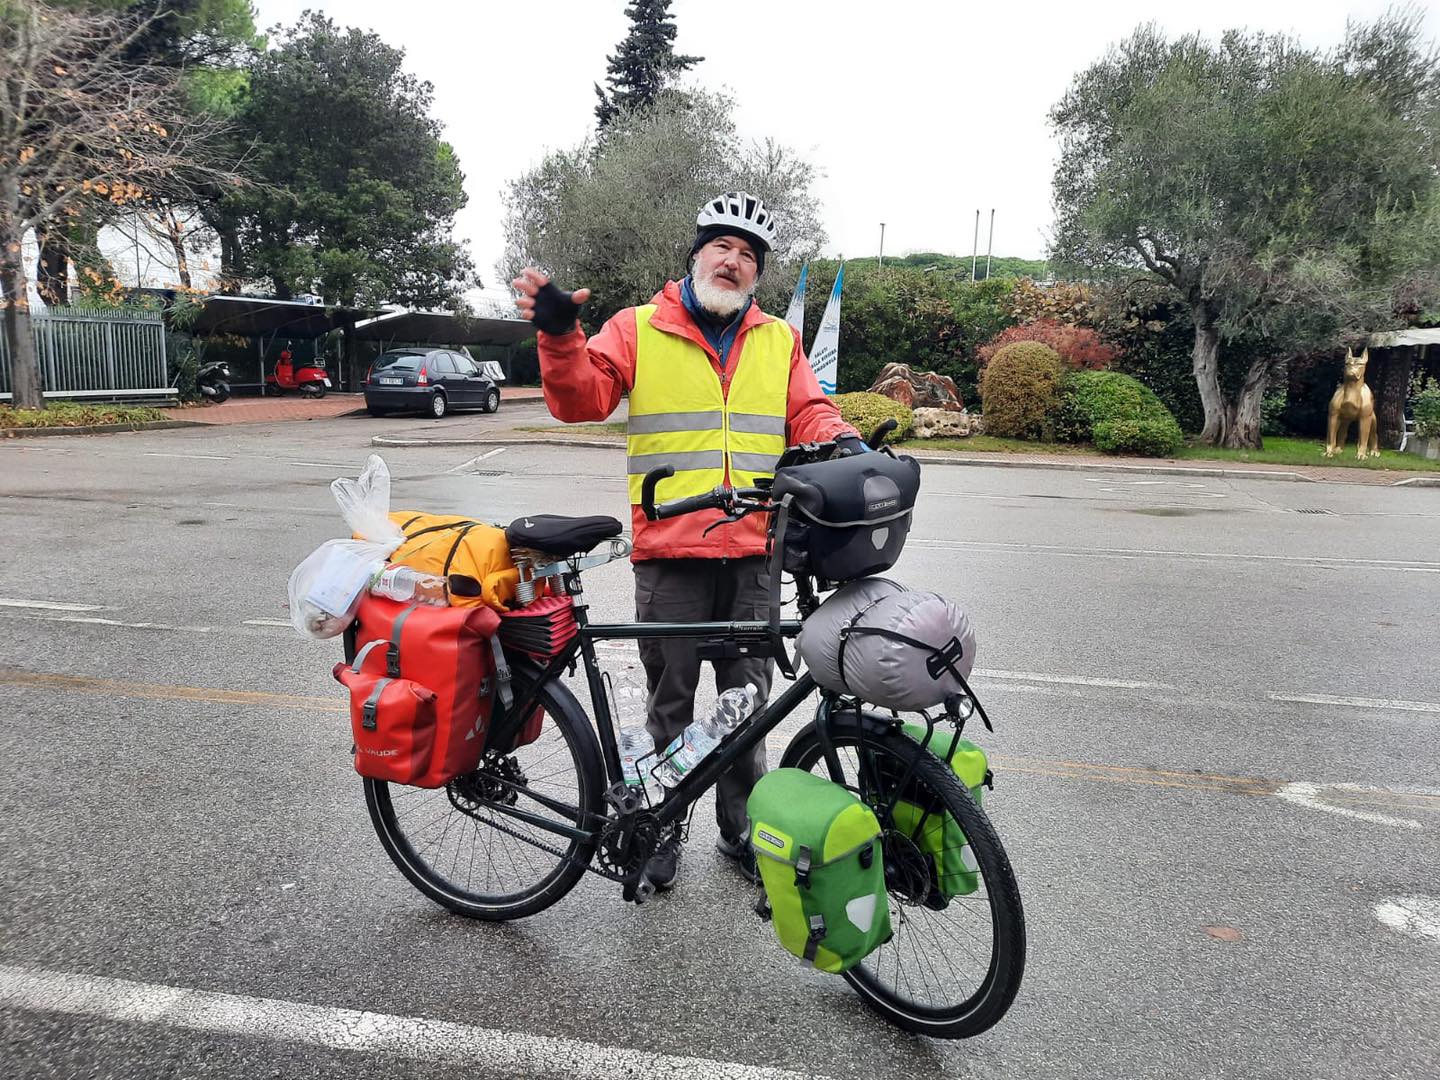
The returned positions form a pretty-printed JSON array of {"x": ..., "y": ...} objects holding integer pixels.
[{"x": 556, "y": 534}]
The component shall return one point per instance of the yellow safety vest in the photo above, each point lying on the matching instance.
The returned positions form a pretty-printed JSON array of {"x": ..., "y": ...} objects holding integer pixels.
[{"x": 681, "y": 416}]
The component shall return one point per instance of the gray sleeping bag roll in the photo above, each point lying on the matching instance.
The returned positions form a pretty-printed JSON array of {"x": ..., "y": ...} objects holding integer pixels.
[{"x": 889, "y": 646}]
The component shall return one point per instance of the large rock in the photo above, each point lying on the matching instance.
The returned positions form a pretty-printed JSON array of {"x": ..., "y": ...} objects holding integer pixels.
[
  {"x": 918, "y": 389},
  {"x": 943, "y": 424}
]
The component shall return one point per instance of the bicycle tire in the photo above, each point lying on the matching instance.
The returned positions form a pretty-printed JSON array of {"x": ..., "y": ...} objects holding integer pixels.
[
  {"x": 982, "y": 1008},
  {"x": 420, "y": 849}
]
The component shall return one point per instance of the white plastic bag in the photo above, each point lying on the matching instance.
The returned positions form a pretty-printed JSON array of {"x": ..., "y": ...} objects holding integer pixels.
[
  {"x": 326, "y": 588},
  {"x": 365, "y": 502}
]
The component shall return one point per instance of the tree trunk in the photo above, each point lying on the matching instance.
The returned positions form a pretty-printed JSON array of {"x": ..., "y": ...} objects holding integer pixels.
[
  {"x": 1391, "y": 385},
  {"x": 1206, "y": 362},
  {"x": 177, "y": 245},
  {"x": 15, "y": 294},
  {"x": 52, "y": 276},
  {"x": 1243, "y": 429},
  {"x": 229, "y": 261}
]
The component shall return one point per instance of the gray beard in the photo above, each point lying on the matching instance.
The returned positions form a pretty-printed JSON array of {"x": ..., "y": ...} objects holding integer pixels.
[{"x": 720, "y": 302}]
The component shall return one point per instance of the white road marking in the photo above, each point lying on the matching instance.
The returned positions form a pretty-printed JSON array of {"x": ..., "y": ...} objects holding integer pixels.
[
  {"x": 269, "y": 622},
  {"x": 91, "y": 621},
  {"x": 1310, "y": 796},
  {"x": 1416, "y": 915},
  {"x": 274, "y": 509},
  {"x": 49, "y": 605},
  {"x": 477, "y": 459},
  {"x": 347, "y": 469},
  {"x": 1131, "y": 553},
  {"x": 206, "y": 457},
  {"x": 513, "y": 1053},
  {"x": 1072, "y": 680},
  {"x": 1359, "y": 702}
]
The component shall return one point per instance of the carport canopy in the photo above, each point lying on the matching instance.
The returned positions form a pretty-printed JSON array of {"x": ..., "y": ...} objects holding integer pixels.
[
  {"x": 253, "y": 316},
  {"x": 443, "y": 328}
]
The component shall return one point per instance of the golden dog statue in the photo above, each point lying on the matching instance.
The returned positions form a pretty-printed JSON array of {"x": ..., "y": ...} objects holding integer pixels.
[{"x": 1353, "y": 402}]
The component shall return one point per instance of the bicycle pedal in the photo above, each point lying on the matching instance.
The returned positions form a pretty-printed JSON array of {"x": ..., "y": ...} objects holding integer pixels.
[{"x": 644, "y": 889}]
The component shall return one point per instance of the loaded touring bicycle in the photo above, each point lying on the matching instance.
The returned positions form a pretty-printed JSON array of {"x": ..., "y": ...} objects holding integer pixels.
[{"x": 549, "y": 801}]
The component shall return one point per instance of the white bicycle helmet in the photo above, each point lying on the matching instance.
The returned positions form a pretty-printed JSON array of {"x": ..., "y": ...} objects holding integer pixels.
[{"x": 742, "y": 212}]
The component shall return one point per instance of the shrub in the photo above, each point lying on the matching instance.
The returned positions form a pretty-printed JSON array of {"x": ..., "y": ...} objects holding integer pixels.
[
  {"x": 1119, "y": 414},
  {"x": 1427, "y": 411},
  {"x": 1272, "y": 411},
  {"x": 1018, "y": 391},
  {"x": 1077, "y": 346},
  {"x": 1069, "y": 302},
  {"x": 865, "y": 412},
  {"x": 1152, "y": 437}
]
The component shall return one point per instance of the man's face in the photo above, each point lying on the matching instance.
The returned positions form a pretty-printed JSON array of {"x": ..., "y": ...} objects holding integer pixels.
[{"x": 727, "y": 264}]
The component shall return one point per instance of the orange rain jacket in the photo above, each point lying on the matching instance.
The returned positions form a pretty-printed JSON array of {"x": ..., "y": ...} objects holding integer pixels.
[{"x": 583, "y": 381}]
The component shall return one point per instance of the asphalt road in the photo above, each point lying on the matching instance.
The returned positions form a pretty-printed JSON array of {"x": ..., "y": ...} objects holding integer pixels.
[{"x": 1217, "y": 705}]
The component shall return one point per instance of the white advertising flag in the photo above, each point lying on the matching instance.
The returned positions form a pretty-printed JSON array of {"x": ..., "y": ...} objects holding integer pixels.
[
  {"x": 825, "y": 351},
  {"x": 795, "y": 316}
]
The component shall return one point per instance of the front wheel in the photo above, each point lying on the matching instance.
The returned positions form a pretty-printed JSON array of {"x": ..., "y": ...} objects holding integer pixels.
[
  {"x": 492, "y": 400},
  {"x": 953, "y": 966},
  {"x": 459, "y": 847}
]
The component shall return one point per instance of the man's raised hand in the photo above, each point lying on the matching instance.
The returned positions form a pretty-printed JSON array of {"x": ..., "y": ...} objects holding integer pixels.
[{"x": 551, "y": 309}]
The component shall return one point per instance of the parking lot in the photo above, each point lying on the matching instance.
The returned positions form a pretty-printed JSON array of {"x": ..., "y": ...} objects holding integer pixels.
[{"x": 1216, "y": 702}]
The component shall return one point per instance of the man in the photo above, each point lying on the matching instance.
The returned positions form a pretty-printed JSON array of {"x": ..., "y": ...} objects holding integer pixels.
[{"x": 717, "y": 390}]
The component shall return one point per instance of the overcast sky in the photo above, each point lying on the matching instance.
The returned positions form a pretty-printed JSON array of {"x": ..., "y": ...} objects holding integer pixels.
[{"x": 917, "y": 112}]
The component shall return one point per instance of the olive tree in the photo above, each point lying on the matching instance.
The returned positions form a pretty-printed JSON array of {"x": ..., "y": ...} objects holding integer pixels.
[
  {"x": 618, "y": 216},
  {"x": 1287, "y": 196}
]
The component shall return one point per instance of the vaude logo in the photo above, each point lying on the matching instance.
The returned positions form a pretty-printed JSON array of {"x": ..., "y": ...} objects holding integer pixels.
[
  {"x": 378, "y": 753},
  {"x": 775, "y": 840},
  {"x": 881, "y": 504}
]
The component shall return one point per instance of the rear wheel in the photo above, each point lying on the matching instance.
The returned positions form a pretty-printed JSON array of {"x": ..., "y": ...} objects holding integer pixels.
[
  {"x": 954, "y": 964},
  {"x": 313, "y": 390},
  {"x": 459, "y": 847},
  {"x": 438, "y": 405}
]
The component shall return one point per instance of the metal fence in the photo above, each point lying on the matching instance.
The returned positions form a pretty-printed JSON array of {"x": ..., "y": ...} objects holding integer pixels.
[{"x": 96, "y": 354}]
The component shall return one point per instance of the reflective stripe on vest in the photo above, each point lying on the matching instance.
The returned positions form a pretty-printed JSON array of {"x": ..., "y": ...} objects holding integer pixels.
[{"x": 680, "y": 415}]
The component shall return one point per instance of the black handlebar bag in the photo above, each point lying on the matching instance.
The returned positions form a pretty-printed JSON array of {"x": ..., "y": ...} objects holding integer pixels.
[{"x": 847, "y": 517}]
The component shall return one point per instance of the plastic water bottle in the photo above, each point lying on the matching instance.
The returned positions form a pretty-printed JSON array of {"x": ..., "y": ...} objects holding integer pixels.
[
  {"x": 634, "y": 739},
  {"x": 705, "y": 732},
  {"x": 405, "y": 583}
]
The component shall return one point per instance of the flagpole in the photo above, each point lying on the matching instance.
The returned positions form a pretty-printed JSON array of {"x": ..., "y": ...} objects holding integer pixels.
[
  {"x": 975, "y": 246},
  {"x": 990, "y": 246}
]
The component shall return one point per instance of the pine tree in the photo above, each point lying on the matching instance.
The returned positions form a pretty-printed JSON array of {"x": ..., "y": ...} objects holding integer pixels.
[{"x": 644, "y": 63}]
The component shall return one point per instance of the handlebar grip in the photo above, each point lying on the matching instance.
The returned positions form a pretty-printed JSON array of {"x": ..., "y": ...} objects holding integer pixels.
[
  {"x": 709, "y": 501},
  {"x": 878, "y": 435},
  {"x": 647, "y": 489}
]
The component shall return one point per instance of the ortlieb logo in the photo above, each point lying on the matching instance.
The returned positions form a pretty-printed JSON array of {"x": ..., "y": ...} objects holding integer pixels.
[
  {"x": 880, "y": 504},
  {"x": 769, "y": 839}
]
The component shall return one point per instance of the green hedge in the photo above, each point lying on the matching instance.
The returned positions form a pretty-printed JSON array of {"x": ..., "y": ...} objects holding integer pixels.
[
  {"x": 1018, "y": 390},
  {"x": 865, "y": 412},
  {"x": 1427, "y": 411},
  {"x": 1117, "y": 413}
]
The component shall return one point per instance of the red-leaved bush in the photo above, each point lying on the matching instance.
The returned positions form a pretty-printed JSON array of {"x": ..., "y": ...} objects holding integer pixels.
[{"x": 1077, "y": 346}]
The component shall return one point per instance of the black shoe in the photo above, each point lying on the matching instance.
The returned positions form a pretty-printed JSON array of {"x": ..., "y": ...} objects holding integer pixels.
[
  {"x": 742, "y": 853},
  {"x": 664, "y": 864}
]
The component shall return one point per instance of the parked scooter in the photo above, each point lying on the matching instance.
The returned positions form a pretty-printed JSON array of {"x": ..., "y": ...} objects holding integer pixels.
[
  {"x": 310, "y": 380},
  {"x": 213, "y": 381}
]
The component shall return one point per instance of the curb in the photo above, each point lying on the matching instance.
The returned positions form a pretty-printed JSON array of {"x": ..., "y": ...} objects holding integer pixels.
[
  {"x": 400, "y": 441},
  {"x": 99, "y": 429}
]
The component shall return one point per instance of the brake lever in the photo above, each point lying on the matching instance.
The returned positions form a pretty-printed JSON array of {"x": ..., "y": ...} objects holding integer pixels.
[{"x": 728, "y": 519}]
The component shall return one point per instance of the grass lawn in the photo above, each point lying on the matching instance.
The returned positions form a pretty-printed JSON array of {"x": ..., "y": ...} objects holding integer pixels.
[
  {"x": 991, "y": 444},
  {"x": 1289, "y": 451},
  {"x": 66, "y": 414},
  {"x": 1277, "y": 451}
]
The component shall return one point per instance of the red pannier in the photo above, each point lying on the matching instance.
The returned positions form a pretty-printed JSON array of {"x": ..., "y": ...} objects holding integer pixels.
[{"x": 416, "y": 650}]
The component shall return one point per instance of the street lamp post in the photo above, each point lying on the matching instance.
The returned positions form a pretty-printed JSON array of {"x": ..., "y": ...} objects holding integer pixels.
[{"x": 882, "y": 245}]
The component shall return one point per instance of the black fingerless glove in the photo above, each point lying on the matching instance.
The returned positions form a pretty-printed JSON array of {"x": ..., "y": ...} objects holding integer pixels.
[
  {"x": 555, "y": 312},
  {"x": 850, "y": 445}
]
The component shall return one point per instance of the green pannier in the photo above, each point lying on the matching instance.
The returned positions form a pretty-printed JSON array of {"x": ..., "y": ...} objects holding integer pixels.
[
  {"x": 938, "y": 834},
  {"x": 818, "y": 850}
]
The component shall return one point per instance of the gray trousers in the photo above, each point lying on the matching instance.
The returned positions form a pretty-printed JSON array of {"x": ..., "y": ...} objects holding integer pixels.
[{"x": 702, "y": 590}]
